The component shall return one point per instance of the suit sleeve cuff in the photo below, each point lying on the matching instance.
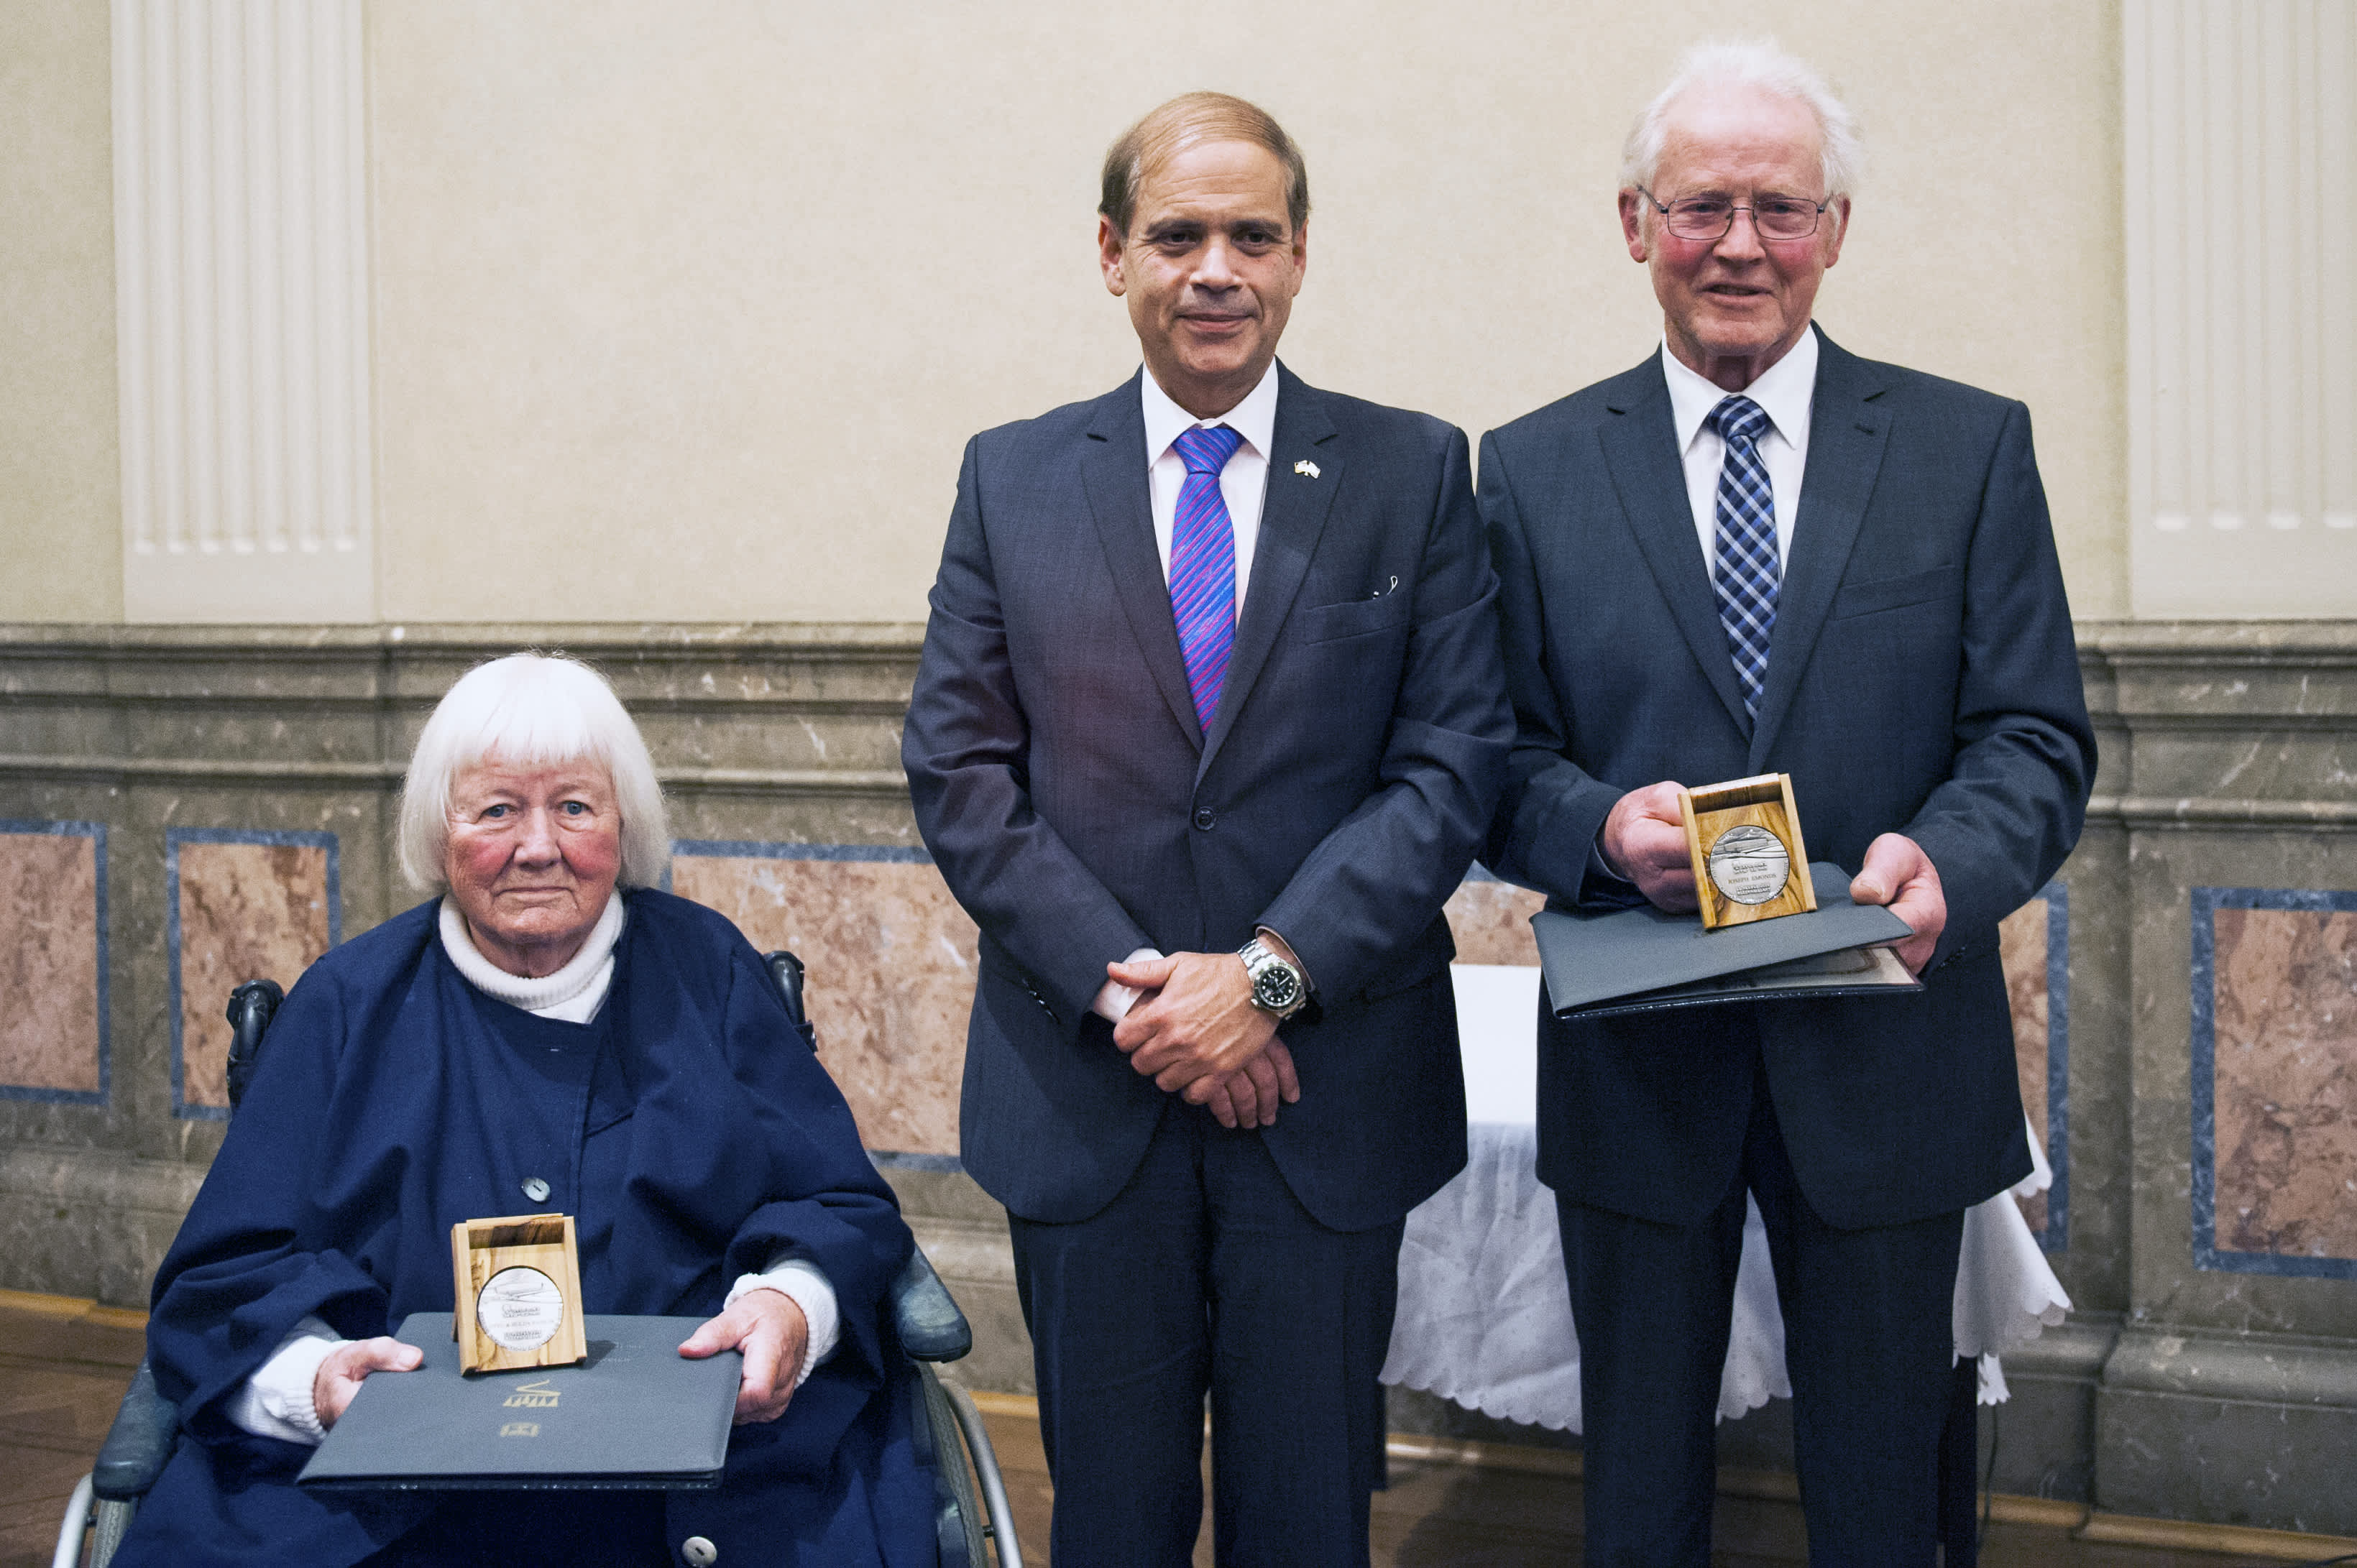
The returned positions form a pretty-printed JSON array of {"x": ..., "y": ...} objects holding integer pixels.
[
  {"x": 800, "y": 1281},
  {"x": 1600, "y": 884}
]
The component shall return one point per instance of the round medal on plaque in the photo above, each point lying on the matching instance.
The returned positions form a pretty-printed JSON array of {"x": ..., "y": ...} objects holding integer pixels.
[
  {"x": 1749, "y": 864},
  {"x": 517, "y": 1287},
  {"x": 519, "y": 1309},
  {"x": 1744, "y": 839}
]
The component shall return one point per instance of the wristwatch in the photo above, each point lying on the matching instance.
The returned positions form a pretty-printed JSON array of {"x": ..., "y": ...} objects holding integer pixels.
[{"x": 1275, "y": 984}]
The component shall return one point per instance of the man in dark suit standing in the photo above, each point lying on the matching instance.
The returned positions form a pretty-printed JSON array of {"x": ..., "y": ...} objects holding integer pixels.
[
  {"x": 1758, "y": 553},
  {"x": 1210, "y": 721}
]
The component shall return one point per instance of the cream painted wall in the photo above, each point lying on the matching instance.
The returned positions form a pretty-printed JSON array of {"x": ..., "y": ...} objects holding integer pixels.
[
  {"x": 60, "y": 520},
  {"x": 685, "y": 313}
]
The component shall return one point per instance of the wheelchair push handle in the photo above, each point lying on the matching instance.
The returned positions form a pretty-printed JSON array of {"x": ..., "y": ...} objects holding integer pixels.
[{"x": 251, "y": 1009}]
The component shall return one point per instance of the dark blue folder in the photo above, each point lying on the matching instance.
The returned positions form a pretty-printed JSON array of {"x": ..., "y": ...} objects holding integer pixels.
[
  {"x": 635, "y": 1414},
  {"x": 1639, "y": 960}
]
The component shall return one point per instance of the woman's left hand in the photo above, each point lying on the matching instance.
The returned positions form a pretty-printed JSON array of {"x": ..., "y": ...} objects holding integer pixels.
[{"x": 769, "y": 1327}]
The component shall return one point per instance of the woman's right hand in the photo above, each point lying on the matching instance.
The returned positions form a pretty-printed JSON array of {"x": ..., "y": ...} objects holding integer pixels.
[{"x": 345, "y": 1368}]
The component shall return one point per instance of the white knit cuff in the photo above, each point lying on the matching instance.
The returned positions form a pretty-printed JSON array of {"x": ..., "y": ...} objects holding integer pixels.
[
  {"x": 800, "y": 1281},
  {"x": 276, "y": 1402}
]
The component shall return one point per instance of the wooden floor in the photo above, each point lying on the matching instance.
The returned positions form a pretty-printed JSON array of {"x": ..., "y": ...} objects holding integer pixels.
[
  {"x": 64, "y": 1365},
  {"x": 1450, "y": 1515}
]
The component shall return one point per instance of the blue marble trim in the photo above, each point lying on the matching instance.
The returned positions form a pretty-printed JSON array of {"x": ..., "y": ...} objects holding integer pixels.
[
  {"x": 2057, "y": 1236},
  {"x": 173, "y": 839},
  {"x": 2207, "y": 1254},
  {"x": 886, "y": 1160},
  {"x": 751, "y": 850},
  {"x": 96, "y": 834}
]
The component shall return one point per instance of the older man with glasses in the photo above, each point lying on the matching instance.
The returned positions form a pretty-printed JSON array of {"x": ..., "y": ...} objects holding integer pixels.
[{"x": 1757, "y": 553}]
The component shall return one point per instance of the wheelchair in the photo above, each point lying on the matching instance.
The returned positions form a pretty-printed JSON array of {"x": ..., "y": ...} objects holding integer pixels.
[{"x": 972, "y": 1525}]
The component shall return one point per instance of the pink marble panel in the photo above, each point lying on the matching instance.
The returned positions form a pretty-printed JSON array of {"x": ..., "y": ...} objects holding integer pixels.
[
  {"x": 1491, "y": 922},
  {"x": 891, "y": 961},
  {"x": 248, "y": 911},
  {"x": 48, "y": 963},
  {"x": 2286, "y": 1065},
  {"x": 2022, "y": 947}
]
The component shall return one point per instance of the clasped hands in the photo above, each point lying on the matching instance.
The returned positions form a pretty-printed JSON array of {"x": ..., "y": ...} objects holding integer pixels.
[
  {"x": 1197, "y": 1033},
  {"x": 1643, "y": 841},
  {"x": 768, "y": 1325}
]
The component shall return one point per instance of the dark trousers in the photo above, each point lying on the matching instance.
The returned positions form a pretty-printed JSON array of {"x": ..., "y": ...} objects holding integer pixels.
[
  {"x": 1205, "y": 1274},
  {"x": 1868, "y": 1342}
]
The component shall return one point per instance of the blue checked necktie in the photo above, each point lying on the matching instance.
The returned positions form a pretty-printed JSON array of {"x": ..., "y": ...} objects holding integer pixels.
[
  {"x": 1203, "y": 566},
  {"x": 1746, "y": 571}
]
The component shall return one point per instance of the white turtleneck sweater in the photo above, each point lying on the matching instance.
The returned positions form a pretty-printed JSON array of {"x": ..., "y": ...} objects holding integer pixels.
[{"x": 275, "y": 1401}]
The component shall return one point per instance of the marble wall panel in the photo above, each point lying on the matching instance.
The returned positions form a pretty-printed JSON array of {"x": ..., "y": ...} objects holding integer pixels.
[
  {"x": 53, "y": 962},
  {"x": 2275, "y": 1081},
  {"x": 1492, "y": 922},
  {"x": 891, "y": 970},
  {"x": 239, "y": 905},
  {"x": 2035, "y": 944}
]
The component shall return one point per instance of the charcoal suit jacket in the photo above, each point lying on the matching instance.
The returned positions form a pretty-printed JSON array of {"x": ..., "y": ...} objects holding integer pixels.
[
  {"x": 1922, "y": 679},
  {"x": 1079, "y": 811}
]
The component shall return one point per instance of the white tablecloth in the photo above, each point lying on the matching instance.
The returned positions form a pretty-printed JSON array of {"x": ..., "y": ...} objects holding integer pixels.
[{"x": 1485, "y": 1316}]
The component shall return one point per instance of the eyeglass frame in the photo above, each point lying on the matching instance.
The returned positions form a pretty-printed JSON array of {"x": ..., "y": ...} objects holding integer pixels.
[{"x": 1734, "y": 206}]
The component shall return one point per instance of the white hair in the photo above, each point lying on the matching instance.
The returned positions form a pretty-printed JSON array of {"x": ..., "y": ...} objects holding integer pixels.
[
  {"x": 1760, "y": 64},
  {"x": 531, "y": 709}
]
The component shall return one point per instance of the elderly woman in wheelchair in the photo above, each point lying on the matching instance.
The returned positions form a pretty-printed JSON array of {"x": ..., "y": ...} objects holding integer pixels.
[{"x": 550, "y": 1033}]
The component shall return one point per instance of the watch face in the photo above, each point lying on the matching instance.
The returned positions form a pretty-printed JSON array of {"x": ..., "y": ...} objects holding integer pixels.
[{"x": 1277, "y": 987}]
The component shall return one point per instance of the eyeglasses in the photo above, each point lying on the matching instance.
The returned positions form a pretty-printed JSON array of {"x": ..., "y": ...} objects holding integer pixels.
[{"x": 1710, "y": 217}]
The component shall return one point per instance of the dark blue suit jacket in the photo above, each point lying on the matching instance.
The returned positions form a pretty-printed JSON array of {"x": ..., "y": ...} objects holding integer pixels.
[
  {"x": 1079, "y": 813},
  {"x": 1923, "y": 679}
]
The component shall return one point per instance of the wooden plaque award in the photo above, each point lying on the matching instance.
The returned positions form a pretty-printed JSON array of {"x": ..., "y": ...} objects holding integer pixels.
[
  {"x": 1745, "y": 840},
  {"x": 519, "y": 1293}
]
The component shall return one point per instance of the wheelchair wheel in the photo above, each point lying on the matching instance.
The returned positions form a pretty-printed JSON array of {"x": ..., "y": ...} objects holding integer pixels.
[{"x": 956, "y": 1479}]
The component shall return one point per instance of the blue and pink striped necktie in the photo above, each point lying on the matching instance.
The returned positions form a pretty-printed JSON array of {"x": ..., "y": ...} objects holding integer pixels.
[{"x": 1203, "y": 566}]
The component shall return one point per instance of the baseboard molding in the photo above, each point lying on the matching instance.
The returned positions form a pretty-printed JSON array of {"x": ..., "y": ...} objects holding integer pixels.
[
  {"x": 2274, "y": 1545},
  {"x": 71, "y": 1308}
]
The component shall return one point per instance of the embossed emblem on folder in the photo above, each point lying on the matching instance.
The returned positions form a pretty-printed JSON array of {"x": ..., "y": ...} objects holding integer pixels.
[{"x": 534, "y": 1396}]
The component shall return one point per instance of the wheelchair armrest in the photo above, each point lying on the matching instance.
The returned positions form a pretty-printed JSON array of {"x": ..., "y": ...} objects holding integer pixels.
[
  {"x": 138, "y": 1443},
  {"x": 924, "y": 1315}
]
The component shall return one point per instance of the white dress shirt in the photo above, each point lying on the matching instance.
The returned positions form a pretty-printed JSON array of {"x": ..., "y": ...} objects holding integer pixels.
[
  {"x": 1784, "y": 393},
  {"x": 276, "y": 1402},
  {"x": 1243, "y": 485}
]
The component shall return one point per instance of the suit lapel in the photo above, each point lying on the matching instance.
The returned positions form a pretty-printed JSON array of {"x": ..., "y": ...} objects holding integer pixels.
[
  {"x": 1112, "y": 471},
  {"x": 1293, "y": 514},
  {"x": 1641, "y": 448},
  {"x": 1847, "y": 437}
]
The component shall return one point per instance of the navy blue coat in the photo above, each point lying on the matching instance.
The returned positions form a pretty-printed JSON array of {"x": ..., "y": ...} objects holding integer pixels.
[
  {"x": 1923, "y": 679},
  {"x": 389, "y": 1105},
  {"x": 1078, "y": 812}
]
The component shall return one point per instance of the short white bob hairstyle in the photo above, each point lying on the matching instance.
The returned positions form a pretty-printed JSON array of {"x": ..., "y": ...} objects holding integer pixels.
[
  {"x": 1760, "y": 64},
  {"x": 531, "y": 709}
]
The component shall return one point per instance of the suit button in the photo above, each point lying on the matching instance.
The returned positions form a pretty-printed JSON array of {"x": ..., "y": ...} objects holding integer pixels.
[
  {"x": 1204, "y": 818},
  {"x": 535, "y": 1189},
  {"x": 699, "y": 1552}
]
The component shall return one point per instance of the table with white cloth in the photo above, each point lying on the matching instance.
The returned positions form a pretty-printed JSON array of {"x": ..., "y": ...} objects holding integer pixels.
[{"x": 1484, "y": 1312}]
